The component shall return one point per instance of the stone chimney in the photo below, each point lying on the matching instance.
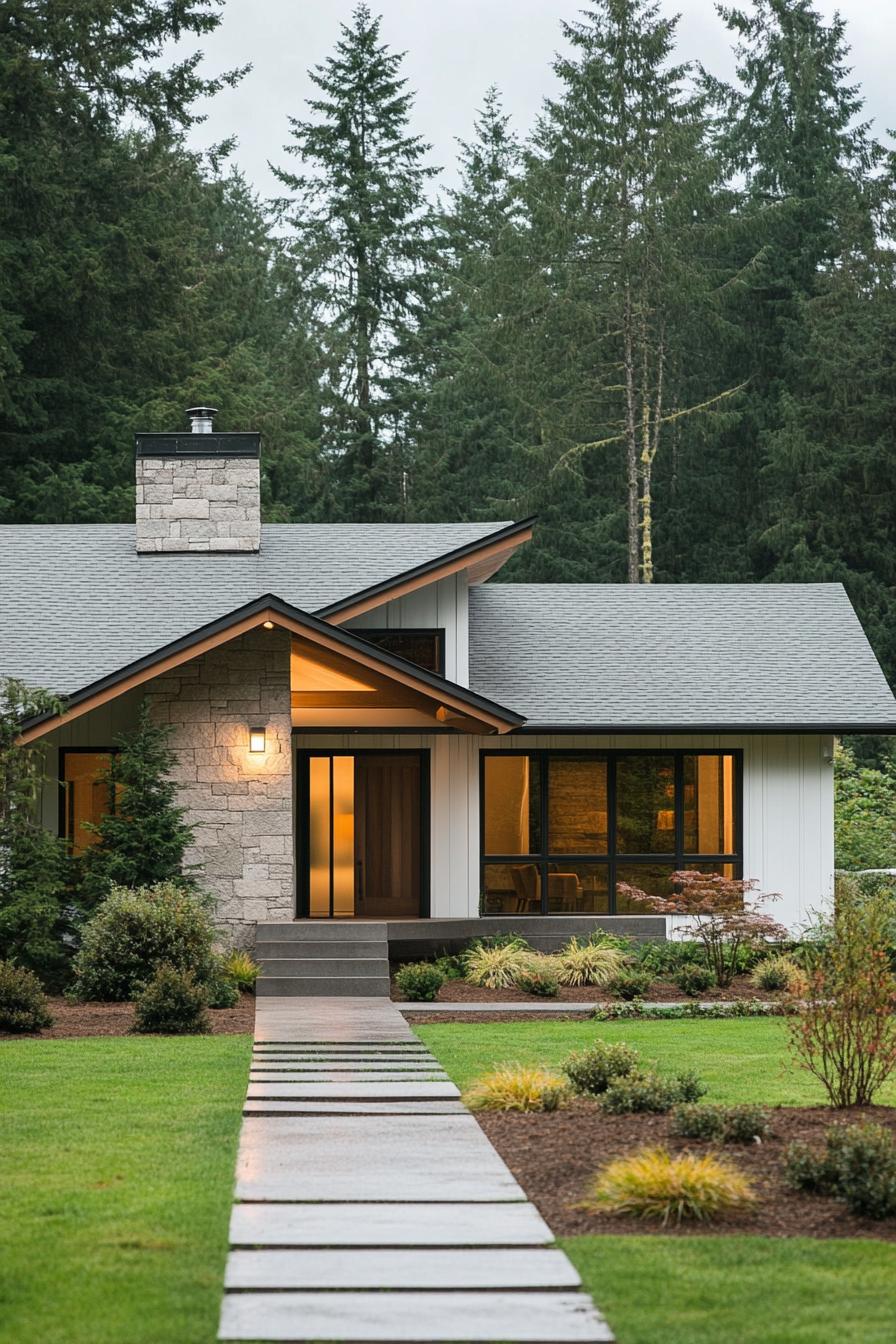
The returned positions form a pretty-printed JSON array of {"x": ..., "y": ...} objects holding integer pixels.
[{"x": 199, "y": 491}]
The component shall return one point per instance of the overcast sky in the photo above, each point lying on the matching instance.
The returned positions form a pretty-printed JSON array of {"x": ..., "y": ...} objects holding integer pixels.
[{"x": 455, "y": 49}]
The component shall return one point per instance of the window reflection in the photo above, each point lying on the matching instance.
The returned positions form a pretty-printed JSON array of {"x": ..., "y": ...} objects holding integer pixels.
[
  {"x": 577, "y": 805},
  {"x": 645, "y": 804},
  {"x": 709, "y": 804},
  {"x": 512, "y": 805}
]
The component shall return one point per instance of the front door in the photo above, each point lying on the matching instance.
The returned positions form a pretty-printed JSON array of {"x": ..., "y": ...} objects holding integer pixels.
[{"x": 361, "y": 837}]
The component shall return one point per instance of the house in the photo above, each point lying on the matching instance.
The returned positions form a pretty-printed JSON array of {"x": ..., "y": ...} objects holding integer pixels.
[{"x": 368, "y": 723}]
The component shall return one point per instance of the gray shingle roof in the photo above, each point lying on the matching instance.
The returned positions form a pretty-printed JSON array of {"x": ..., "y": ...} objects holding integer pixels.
[
  {"x": 78, "y": 603},
  {"x": 677, "y": 656}
]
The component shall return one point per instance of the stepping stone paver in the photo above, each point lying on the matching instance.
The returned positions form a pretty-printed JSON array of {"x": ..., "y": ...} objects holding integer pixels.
[
  {"x": 518, "y": 1224},
  {"x": 534, "y": 1317},
  {"x": 349, "y": 1091},
  {"x": 393, "y": 1268},
  {"x": 400, "y": 1157},
  {"x": 274, "y": 1106},
  {"x": 373, "y": 1206}
]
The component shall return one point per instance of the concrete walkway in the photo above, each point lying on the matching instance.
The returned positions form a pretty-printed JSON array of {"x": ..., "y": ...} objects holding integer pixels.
[{"x": 371, "y": 1206}]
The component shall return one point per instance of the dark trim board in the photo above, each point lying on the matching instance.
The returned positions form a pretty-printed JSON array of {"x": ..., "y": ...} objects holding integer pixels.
[
  {"x": 611, "y": 860},
  {"x": 303, "y": 754},
  {"x": 714, "y": 729}
]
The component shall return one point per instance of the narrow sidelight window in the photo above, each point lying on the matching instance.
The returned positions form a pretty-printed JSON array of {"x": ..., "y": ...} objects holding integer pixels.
[{"x": 85, "y": 796}]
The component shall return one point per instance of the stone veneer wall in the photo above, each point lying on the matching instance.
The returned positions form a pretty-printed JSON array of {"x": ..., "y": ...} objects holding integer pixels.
[
  {"x": 198, "y": 504},
  {"x": 240, "y": 805}
]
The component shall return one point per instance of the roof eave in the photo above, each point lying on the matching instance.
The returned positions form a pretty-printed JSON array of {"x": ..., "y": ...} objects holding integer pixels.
[{"x": 884, "y": 728}]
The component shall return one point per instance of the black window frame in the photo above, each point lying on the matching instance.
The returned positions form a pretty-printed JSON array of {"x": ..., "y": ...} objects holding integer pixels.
[
  {"x": 371, "y": 632},
  {"x": 677, "y": 859}
]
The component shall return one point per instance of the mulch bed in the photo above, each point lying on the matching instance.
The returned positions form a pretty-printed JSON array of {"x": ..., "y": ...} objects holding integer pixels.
[
  {"x": 555, "y": 1156},
  {"x": 661, "y": 991},
  {"x": 116, "y": 1019}
]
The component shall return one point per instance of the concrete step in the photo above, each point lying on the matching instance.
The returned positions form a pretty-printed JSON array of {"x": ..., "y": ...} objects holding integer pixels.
[
  {"x": 323, "y": 986},
  {"x": 321, "y": 930},
  {"x": 330, "y": 947},
  {"x": 324, "y": 966}
]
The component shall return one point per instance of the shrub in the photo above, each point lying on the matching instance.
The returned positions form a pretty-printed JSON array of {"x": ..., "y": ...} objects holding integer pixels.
[
  {"x": 542, "y": 983},
  {"x": 134, "y": 932},
  {"x": 496, "y": 967},
  {"x": 221, "y": 990},
  {"x": 23, "y": 1003},
  {"x": 846, "y": 1034},
  {"x": 722, "y": 1124},
  {"x": 857, "y": 1165},
  {"x": 174, "y": 1003},
  {"x": 632, "y": 984},
  {"x": 779, "y": 972},
  {"x": 589, "y": 963},
  {"x": 419, "y": 980},
  {"x": 591, "y": 1071},
  {"x": 723, "y": 913},
  {"x": 694, "y": 979},
  {"x": 668, "y": 958},
  {"x": 636, "y": 1092},
  {"x": 673, "y": 1012},
  {"x": 239, "y": 967},
  {"x": 513, "y": 1087},
  {"x": 654, "y": 1184},
  {"x": 451, "y": 967}
]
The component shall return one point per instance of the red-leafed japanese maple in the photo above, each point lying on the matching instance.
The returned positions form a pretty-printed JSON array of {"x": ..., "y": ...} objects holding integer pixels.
[
  {"x": 846, "y": 1032},
  {"x": 723, "y": 913}
]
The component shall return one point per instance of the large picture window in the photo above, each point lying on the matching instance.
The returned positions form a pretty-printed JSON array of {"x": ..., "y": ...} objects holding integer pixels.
[{"x": 560, "y": 829}]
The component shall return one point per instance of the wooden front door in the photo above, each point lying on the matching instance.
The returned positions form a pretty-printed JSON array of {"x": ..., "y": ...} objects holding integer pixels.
[{"x": 387, "y": 835}]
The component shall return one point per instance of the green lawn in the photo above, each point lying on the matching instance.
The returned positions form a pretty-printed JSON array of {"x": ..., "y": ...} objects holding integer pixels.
[
  {"x": 745, "y": 1060},
  {"x": 117, "y": 1159},
  {"x": 745, "y": 1290}
]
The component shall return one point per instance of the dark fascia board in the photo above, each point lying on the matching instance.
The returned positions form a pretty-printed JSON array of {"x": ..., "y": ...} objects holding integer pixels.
[
  {"x": 840, "y": 729},
  {"x": 420, "y": 571},
  {"x": 272, "y": 603},
  {"x": 231, "y": 444}
]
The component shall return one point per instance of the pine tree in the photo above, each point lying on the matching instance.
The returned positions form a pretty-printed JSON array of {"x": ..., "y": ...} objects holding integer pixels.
[
  {"x": 361, "y": 244},
  {"x": 34, "y": 911},
  {"x": 473, "y": 425},
  {"x": 143, "y": 838}
]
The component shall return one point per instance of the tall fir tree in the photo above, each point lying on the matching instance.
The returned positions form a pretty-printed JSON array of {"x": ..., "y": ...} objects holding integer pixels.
[
  {"x": 361, "y": 243},
  {"x": 622, "y": 189}
]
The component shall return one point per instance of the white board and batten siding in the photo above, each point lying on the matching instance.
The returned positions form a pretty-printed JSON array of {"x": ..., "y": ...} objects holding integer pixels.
[
  {"x": 442, "y": 605},
  {"x": 788, "y": 808}
]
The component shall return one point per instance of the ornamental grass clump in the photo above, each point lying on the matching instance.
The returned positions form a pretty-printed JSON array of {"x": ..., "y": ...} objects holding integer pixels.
[
  {"x": 653, "y": 1184},
  {"x": 496, "y": 967},
  {"x": 591, "y": 1071},
  {"x": 589, "y": 963},
  {"x": 845, "y": 1033},
  {"x": 239, "y": 967},
  {"x": 517, "y": 1087},
  {"x": 23, "y": 1003},
  {"x": 777, "y": 973}
]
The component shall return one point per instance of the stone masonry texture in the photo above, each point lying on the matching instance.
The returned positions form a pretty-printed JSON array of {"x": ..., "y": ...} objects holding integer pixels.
[
  {"x": 198, "y": 504},
  {"x": 238, "y": 803}
]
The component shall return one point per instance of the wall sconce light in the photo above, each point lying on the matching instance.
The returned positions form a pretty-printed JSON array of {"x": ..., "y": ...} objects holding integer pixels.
[{"x": 256, "y": 739}]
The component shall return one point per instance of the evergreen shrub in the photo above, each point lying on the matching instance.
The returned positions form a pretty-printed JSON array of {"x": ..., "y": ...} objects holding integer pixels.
[
  {"x": 591, "y": 1071},
  {"x": 721, "y": 1124},
  {"x": 173, "y": 1003},
  {"x": 23, "y": 1003},
  {"x": 133, "y": 932},
  {"x": 419, "y": 981},
  {"x": 857, "y": 1165}
]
